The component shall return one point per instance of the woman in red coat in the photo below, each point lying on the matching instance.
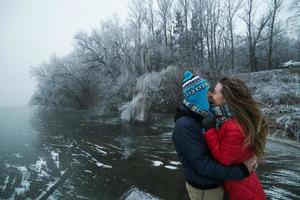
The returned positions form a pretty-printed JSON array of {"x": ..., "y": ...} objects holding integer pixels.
[{"x": 240, "y": 132}]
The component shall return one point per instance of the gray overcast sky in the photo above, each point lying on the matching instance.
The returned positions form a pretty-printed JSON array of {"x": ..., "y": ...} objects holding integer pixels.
[{"x": 31, "y": 30}]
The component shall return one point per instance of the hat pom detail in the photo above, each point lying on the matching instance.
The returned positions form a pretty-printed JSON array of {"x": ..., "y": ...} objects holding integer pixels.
[{"x": 187, "y": 75}]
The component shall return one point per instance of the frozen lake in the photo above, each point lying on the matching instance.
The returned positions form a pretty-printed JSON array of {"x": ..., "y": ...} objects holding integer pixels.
[{"x": 63, "y": 154}]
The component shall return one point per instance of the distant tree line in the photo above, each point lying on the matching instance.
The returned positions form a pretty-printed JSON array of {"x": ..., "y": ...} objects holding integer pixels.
[{"x": 104, "y": 66}]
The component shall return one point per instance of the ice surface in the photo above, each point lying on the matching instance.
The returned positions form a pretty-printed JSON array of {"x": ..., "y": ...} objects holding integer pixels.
[
  {"x": 40, "y": 166},
  {"x": 24, "y": 186},
  {"x": 170, "y": 167},
  {"x": 54, "y": 156},
  {"x": 175, "y": 162},
  {"x": 137, "y": 194},
  {"x": 156, "y": 163},
  {"x": 18, "y": 155},
  {"x": 5, "y": 183}
]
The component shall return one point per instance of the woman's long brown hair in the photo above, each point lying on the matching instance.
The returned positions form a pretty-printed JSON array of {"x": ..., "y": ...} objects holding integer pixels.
[{"x": 247, "y": 112}]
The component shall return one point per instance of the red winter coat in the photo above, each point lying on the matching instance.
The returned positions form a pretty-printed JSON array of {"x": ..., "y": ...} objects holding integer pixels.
[{"x": 226, "y": 146}]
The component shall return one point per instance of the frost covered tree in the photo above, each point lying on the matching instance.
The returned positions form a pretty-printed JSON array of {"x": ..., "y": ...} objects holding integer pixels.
[
  {"x": 164, "y": 13},
  {"x": 274, "y": 30},
  {"x": 254, "y": 32},
  {"x": 108, "y": 65},
  {"x": 232, "y": 7}
]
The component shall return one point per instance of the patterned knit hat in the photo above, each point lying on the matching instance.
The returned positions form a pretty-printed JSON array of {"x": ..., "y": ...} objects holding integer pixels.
[{"x": 195, "y": 90}]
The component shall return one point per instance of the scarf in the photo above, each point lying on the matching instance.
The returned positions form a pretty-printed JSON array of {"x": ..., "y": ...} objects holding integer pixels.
[{"x": 222, "y": 113}]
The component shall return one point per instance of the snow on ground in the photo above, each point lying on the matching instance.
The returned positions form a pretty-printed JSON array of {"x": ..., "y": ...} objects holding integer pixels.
[{"x": 279, "y": 91}]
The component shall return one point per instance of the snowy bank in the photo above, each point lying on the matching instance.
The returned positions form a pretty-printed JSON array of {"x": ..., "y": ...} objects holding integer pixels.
[{"x": 279, "y": 91}]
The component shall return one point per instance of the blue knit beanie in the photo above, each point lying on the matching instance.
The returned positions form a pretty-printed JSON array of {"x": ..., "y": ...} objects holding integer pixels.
[{"x": 195, "y": 92}]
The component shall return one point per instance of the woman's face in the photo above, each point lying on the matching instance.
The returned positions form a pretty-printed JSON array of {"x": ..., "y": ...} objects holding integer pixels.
[{"x": 217, "y": 96}]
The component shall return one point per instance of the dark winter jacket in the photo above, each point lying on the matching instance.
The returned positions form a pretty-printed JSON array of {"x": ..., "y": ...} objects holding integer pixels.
[{"x": 200, "y": 169}]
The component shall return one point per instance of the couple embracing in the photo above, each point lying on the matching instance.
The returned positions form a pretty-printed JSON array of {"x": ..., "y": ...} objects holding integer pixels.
[{"x": 218, "y": 137}]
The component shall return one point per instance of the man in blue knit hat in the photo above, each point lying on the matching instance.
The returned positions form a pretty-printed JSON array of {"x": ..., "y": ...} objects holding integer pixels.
[{"x": 204, "y": 176}]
